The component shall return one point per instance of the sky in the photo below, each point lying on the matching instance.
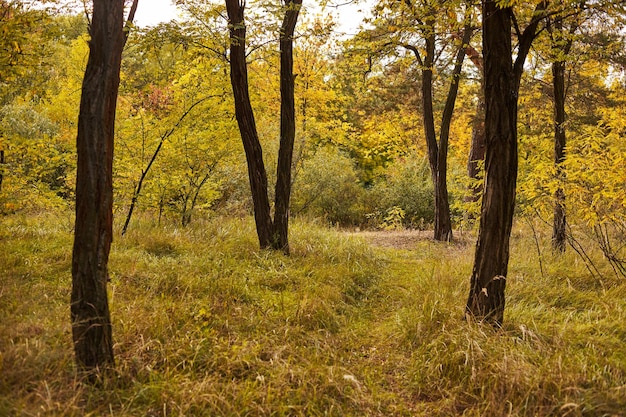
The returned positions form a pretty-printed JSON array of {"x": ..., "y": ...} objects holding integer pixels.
[{"x": 151, "y": 12}]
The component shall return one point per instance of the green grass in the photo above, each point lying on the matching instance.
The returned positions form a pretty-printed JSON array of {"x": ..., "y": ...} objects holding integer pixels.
[{"x": 206, "y": 324}]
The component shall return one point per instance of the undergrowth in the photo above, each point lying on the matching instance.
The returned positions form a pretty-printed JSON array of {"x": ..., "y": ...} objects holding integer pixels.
[{"x": 207, "y": 324}]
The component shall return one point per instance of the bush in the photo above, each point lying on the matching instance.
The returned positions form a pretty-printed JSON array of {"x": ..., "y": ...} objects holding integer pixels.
[
  {"x": 328, "y": 187},
  {"x": 406, "y": 186}
]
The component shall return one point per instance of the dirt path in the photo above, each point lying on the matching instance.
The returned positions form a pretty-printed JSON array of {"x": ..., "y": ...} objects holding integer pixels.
[
  {"x": 404, "y": 239},
  {"x": 398, "y": 239}
]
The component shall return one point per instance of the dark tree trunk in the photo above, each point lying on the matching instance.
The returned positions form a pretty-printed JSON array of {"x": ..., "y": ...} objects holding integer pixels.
[
  {"x": 443, "y": 223},
  {"x": 91, "y": 324},
  {"x": 436, "y": 155},
  {"x": 1, "y": 168},
  {"x": 477, "y": 149},
  {"x": 502, "y": 79},
  {"x": 558, "y": 83},
  {"x": 247, "y": 125},
  {"x": 442, "y": 227},
  {"x": 559, "y": 221},
  {"x": 280, "y": 239},
  {"x": 438, "y": 151},
  {"x": 486, "y": 298}
]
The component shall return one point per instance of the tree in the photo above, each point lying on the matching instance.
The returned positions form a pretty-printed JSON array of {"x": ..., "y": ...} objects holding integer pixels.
[
  {"x": 561, "y": 43},
  {"x": 562, "y": 29},
  {"x": 502, "y": 78},
  {"x": 274, "y": 233},
  {"x": 427, "y": 30},
  {"x": 91, "y": 323},
  {"x": 247, "y": 124},
  {"x": 280, "y": 239}
]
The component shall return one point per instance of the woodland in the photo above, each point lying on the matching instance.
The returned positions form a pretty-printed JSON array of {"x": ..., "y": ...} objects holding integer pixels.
[{"x": 247, "y": 212}]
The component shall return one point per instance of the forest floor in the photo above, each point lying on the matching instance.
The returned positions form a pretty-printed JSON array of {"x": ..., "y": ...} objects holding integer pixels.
[
  {"x": 406, "y": 239},
  {"x": 350, "y": 324}
]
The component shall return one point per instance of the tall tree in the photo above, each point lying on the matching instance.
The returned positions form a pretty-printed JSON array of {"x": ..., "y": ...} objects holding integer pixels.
[
  {"x": 245, "y": 119},
  {"x": 271, "y": 233},
  {"x": 91, "y": 322},
  {"x": 280, "y": 238},
  {"x": 561, "y": 43},
  {"x": 477, "y": 146},
  {"x": 502, "y": 78},
  {"x": 430, "y": 31}
]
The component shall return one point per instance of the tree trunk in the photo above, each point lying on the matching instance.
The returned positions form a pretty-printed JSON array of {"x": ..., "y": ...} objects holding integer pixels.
[
  {"x": 486, "y": 297},
  {"x": 558, "y": 84},
  {"x": 280, "y": 239},
  {"x": 477, "y": 150},
  {"x": 502, "y": 78},
  {"x": 91, "y": 324},
  {"x": 247, "y": 126},
  {"x": 443, "y": 226},
  {"x": 559, "y": 222},
  {"x": 1, "y": 168},
  {"x": 443, "y": 222}
]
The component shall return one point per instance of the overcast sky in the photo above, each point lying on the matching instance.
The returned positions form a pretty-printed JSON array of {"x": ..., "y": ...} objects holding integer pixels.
[{"x": 151, "y": 12}]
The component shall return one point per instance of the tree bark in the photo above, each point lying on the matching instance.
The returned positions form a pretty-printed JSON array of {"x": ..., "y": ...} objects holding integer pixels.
[
  {"x": 477, "y": 149},
  {"x": 247, "y": 126},
  {"x": 438, "y": 151},
  {"x": 559, "y": 221},
  {"x": 443, "y": 222},
  {"x": 443, "y": 225},
  {"x": 1, "y": 168},
  {"x": 486, "y": 298},
  {"x": 558, "y": 83},
  {"x": 280, "y": 239},
  {"x": 502, "y": 77},
  {"x": 91, "y": 324}
]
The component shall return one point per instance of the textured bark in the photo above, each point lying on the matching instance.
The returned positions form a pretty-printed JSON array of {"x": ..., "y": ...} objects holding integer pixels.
[
  {"x": 247, "y": 125},
  {"x": 502, "y": 79},
  {"x": 486, "y": 298},
  {"x": 280, "y": 239},
  {"x": 91, "y": 324}
]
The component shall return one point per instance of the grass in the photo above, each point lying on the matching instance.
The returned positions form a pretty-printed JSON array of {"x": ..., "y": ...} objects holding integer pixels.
[{"x": 206, "y": 324}]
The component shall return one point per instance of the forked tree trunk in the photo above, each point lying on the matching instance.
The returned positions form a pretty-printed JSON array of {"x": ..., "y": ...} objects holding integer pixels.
[
  {"x": 274, "y": 233},
  {"x": 247, "y": 126},
  {"x": 438, "y": 151},
  {"x": 486, "y": 298},
  {"x": 280, "y": 239},
  {"x": 442, "y": 226},
  {"x": 91, "y": 324}
]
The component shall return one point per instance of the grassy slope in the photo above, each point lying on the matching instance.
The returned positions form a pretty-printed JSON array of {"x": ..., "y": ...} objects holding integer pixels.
[{"x": 206, "y": 324}]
